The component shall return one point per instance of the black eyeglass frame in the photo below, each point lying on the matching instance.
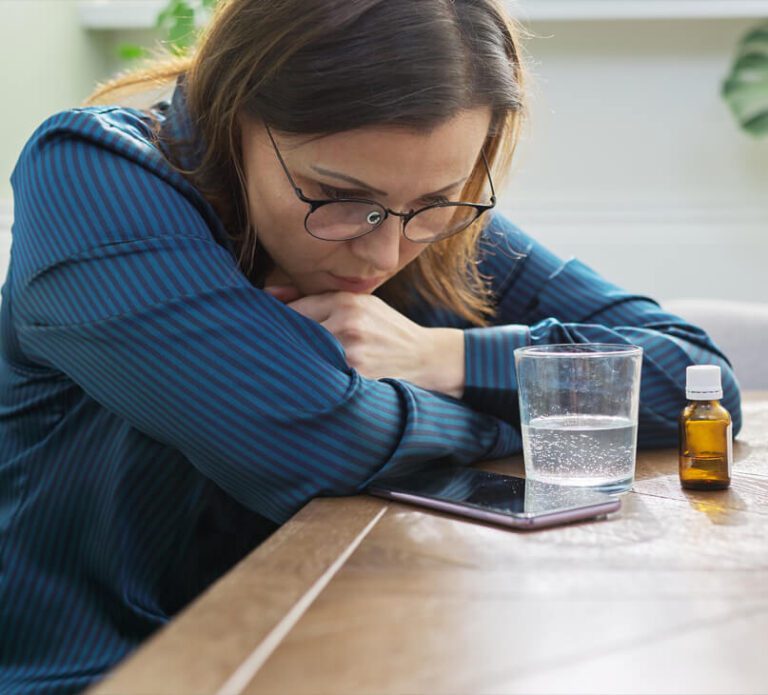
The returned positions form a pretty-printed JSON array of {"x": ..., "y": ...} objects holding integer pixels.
[{"x": 315, "y": 204}]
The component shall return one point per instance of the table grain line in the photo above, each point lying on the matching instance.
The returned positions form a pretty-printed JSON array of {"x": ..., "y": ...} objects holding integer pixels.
[{"x": 246, "y": 671}]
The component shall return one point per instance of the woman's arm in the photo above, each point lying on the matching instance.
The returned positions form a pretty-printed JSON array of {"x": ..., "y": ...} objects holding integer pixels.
[
  {"x": 544, "y": 300},
  {"x": 153, "y": 319}
]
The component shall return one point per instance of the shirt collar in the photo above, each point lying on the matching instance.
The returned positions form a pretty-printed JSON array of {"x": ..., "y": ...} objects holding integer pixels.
[
  {"x": 176, "y": 125},
  {"x": 179, "y": 127}
]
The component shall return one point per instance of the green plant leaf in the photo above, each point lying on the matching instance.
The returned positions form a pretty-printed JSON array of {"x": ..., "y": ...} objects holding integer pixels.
[
  {"x": 752, "y": 61},
  {"x": 177, "y": 21},
  {"x": 751, "y": 90},
  {"x": 745, "y": 89},
  {"x": 165, "y": 16},
  {"x": 182, "y": 33},
  {"x": 131, "y": 51},
  {"x": 758, "y": 125},
  {"x": 758, "y": 35}
]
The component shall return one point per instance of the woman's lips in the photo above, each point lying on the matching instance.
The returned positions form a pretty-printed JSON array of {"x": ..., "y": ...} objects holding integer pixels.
[{"x": 356, "y": 284}]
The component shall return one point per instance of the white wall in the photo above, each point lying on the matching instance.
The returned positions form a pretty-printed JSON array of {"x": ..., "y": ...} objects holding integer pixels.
[
  {"x": 633, "y": 163},
  {"x": 50, "y": 63}
]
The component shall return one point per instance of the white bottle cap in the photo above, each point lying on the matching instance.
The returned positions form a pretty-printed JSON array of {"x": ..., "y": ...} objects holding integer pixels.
[{"x": 703, "y": 383}]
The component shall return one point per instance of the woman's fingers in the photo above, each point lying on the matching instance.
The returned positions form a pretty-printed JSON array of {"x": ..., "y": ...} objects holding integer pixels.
[{"x": 318, "y": 307}]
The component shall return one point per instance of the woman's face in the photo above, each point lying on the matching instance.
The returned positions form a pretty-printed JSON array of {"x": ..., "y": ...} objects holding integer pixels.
[{"x": 399, "y": 168}]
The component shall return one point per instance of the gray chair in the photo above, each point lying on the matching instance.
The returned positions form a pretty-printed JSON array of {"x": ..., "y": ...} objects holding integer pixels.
[{"x": 739, "y": 329}]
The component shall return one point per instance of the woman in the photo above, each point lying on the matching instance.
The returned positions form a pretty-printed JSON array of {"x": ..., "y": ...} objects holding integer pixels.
[{"x": 262, "y": 292}]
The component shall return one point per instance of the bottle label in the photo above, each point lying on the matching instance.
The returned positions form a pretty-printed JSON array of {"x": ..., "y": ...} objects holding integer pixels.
[{"x": 729, "y": 440}]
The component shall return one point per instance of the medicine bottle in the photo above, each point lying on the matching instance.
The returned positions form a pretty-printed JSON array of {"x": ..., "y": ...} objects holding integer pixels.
[{"x": 706, "y": 432}]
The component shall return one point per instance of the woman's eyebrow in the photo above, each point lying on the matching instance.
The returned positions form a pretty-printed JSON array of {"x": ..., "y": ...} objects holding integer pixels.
[{"x": 365, "y": 186}]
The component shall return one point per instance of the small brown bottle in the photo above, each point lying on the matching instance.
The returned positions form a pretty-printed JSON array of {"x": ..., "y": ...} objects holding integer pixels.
[{"x": 706, "y": 432}]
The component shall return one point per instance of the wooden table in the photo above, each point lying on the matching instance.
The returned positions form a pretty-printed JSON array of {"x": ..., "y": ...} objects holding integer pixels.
[{"x": 360, "y": 595}]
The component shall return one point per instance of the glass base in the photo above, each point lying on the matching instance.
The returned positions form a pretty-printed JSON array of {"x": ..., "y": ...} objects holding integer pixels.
[
  {"x": 610, "y": 487},
  {"x": 619, "y": 487}
]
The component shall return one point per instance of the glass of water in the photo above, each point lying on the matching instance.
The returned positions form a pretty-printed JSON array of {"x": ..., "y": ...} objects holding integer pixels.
[{"x": 578, "y": 413}]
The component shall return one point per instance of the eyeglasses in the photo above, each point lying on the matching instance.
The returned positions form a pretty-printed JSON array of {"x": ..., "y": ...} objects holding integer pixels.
[{"x": 341, "y": 219}]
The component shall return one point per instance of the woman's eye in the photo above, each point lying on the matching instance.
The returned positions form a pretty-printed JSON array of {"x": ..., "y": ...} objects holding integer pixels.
[
  {"x": 436, "y": 199},
  {"x": 340, "y": 193},
  {"x": 335, "y": 193}
]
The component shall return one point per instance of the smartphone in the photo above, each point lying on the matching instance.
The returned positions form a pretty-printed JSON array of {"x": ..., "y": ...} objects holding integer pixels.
[{"x": 500, "y": 499}]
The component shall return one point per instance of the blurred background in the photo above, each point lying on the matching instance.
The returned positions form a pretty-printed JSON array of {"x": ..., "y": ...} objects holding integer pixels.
[{"x": 632, "y": 159}]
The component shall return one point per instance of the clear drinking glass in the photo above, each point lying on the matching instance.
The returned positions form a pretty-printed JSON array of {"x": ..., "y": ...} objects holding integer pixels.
[{"x": 578, "y": 413}]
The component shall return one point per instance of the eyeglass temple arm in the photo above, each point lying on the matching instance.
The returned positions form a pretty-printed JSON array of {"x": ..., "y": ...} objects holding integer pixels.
[
  {"x": 490, "y": 180},
  {"x": 282, "y": 163}
]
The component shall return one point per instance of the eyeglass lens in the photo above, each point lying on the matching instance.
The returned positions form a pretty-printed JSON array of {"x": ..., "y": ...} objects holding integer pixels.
[{"x": 347, "y": 220}]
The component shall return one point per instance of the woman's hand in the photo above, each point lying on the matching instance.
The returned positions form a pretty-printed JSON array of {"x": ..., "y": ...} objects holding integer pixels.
[{"x": 381, "y": 342}]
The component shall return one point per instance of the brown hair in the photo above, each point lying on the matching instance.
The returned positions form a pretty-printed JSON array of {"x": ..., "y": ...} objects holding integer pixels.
[{"x": 326, "y": 66}]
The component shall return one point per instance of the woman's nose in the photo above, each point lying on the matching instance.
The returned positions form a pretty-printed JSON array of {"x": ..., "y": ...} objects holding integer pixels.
[{"x": 381, "y": 247}]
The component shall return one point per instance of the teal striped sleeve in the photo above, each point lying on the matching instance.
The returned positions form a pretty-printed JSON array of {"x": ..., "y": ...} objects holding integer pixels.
[
  {"x": 542, "y": 299},
  {"x": 491, "y": 385}
]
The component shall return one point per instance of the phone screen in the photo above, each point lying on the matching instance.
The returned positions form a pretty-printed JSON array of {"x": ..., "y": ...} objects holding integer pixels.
[{"x": 495, "y": 497}]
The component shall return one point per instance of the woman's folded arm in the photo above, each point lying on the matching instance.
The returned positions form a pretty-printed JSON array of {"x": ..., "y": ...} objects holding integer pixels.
[{"x": 544, "y": 300}]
